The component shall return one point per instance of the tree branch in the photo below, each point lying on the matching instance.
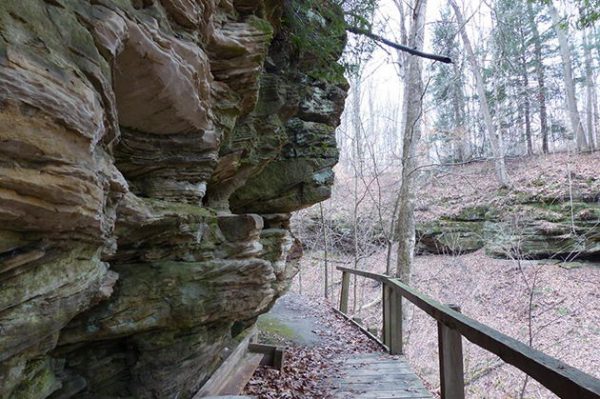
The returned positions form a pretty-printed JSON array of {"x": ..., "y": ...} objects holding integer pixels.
[{"x": 364, "y": 32}]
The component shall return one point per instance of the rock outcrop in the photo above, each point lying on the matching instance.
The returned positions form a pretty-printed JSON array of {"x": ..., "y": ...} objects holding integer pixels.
[
  {"x": 520, "y": 226},
  {"x": 150, "y": 153}
]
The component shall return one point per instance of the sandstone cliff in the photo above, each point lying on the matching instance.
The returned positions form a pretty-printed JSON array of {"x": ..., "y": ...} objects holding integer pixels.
[{"x": 150, "y": 154}]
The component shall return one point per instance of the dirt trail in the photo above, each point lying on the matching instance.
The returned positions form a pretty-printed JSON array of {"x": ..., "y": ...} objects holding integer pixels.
[{"x": 291, "y": 320}]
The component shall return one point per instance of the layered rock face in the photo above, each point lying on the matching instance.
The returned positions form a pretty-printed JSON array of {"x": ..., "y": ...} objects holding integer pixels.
[
  {"x": 150, "y": 152},
  {"x": 520, "y": 227}
]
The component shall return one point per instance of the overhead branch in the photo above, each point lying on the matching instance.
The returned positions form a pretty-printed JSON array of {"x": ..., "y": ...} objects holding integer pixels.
[{"x": 380, "y": 39}]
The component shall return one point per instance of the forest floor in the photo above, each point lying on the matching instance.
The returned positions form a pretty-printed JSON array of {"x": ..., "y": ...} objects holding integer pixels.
[{"x": 446, "y": 190}]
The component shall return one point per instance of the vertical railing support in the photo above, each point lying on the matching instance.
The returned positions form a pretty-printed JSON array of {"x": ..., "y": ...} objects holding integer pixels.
[
  {"x": 395, "y": 305},
  {"x": 345, "y": 292},
  {"x": 385, "y": 305},
  {"x": 392, "y": 320},
  {"x": 451, "y": 361}
]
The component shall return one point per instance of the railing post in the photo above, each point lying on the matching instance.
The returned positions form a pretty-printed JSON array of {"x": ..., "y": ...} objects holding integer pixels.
[
  {"x": 451, "y": 361},
  {"x": 345, "y": 292},
  {"x": 385, "y": 304},
  {"x": 395, "y": 305}
]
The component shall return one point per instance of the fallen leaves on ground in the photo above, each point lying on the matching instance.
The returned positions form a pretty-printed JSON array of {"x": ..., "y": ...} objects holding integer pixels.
[{"x": 308, "y": 370}]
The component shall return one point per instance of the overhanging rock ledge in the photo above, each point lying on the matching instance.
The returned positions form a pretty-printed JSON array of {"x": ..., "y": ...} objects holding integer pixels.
[{"x": 150, "y": 154}]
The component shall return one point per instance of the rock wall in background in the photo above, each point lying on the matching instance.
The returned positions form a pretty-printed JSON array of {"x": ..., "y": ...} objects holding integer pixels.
[
  {"x": 520, "y": 227},
  {"x": 150, "y": 154}
]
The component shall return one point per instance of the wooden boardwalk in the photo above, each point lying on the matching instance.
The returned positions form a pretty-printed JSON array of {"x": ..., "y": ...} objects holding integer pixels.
[{"x": 377, "y": 375}]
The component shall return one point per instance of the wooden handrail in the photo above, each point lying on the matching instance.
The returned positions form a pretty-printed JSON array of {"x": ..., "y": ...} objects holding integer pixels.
[
  {"x": 373, "y": 276},
  {"x": 565, "y": 381}
]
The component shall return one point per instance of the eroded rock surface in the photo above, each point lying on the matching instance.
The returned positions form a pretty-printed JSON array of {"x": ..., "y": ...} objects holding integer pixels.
[
  {"x": 529, "y": 228},
  {"x": 150, "y": 154}
]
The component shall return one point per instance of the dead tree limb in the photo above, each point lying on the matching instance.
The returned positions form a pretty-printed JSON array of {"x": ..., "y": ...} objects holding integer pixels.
[{"x": 380, "y": 39}]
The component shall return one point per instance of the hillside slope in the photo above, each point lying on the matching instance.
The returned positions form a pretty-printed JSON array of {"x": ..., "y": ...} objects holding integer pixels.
[{"x": 552, "y": 209}]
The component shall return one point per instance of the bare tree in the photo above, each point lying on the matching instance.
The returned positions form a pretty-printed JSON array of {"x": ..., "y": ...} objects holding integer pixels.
[
  {"x": 412, "y": 108},
  {"x": 541, "y": 76},
  {"x": 325, "y": 250},
  {"x": 357, "y": 163},
  {"x": 492, "y": 136},
  {"x": 565, "y": 54},
  {"x": 589, "y": 89}
]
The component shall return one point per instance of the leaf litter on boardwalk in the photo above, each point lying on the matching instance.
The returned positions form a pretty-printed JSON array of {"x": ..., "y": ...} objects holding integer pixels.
[{"x": 309, "y": 369}]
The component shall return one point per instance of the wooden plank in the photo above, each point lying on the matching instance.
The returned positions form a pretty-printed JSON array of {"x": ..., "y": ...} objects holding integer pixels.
[
  {"x": 345, "y": 293},
  {"x": 361, "y": 328},
  {"x": 279, "y": 359},
  {"x": 377, "y": 365},
  {"x": 273, "y": 356},
  {"x": 375, "y": 391},
  {"x": 403, "y": 368},
  {"x": 452, "y": 382},
  {"x": 395, "y": 377},
  {"x": 219, "y": 378},
  {"x": 395, "y": 304},
  {"x": 565, "y": 381},
  {"x": 374, "y": 356},
  {"x": 242, "y": 374},
  {"x": 386, "y": 330},
  {"x": 378, "y": 360},
  {"x": 376, "y": 370},
  {"x": 394, "y": 395},
  {"x": 372, "y": 361},
  {"x": 373, "y": 373},
  {"x": 373, "y": 276},
  {"x": 408, "y": 386},
  {"x": 377, "y": 375}
]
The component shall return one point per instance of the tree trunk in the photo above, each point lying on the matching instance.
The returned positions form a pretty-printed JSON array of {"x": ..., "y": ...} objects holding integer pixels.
[
  {"x": 326, "y": 250},
  {"x": 402, "y": 57},
  {"x": 589, "y": 87},
  {"x": 541, "y": 77},
  {"x": 526, "y": 108},
  {"x": 458, "y": 104},
  {"x": 565, "y": 54},
  {"x": 492, "y": 136},
  {"x": 595, "y": 117},
  {"x": 392, "y": 237},
  {"x": 524, "y": 92},
  {"x": 412, "y": 108},
  {"x": 596, "y": 35},
  {"x": 357, "y": 164}
]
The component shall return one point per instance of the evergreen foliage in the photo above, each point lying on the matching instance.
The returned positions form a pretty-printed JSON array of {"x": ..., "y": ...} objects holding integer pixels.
[
  {"x": 446, "y": 87},
  {"x": 319, "y": 34}
]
